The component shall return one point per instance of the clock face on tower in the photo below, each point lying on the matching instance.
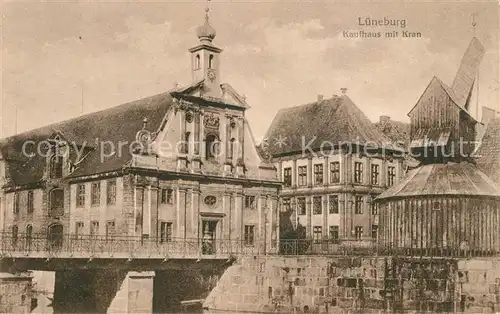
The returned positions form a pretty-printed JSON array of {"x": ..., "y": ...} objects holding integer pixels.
[{"x": 211, "y": 75}]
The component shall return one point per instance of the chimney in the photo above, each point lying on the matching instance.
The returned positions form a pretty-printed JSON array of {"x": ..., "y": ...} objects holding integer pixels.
[
  {"x": 320, "y": 98},
  {"x": 343, "y": 90},
  {"x": 384, "y": 119},
  {"x": 176, "y": 86}
]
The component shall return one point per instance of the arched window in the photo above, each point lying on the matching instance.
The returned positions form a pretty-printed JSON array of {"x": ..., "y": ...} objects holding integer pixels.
[
  {"x": 56, "y": 202},
  {"x": 29, "y": 236},
  {"x": 210, "y": 61},
  {"x": 185, "y": 143},
  {"x": 56, "y": 166},
  {"x": 197, "y": 64},
  {"x": 211, "y": 146},
  {"x": 55, "y": 236},
  {"x": 231, "y": 149},
  {"x": 15, "y": 232}
]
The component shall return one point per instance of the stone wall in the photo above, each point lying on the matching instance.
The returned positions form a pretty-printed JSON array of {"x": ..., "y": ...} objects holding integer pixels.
[
  {"x": 15, "y": 293},
  {"x": 171, "y": 287},
  {"x": 103, "y": 291},
  {"x": 332, "y": 284}
]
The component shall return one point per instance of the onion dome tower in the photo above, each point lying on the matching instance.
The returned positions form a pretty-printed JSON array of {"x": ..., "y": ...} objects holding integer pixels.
[
  {"x": 446, "y": 206},
  {"x": 205, "y": 59}
]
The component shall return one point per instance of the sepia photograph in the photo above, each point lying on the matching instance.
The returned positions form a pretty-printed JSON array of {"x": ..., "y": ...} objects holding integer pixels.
[{"x": 251, "y": 156}]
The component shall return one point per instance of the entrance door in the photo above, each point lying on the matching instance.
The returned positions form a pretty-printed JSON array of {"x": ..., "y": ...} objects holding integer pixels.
[
  {"x": 209, "y": 236},
  {"x": 55, "y": 236}
]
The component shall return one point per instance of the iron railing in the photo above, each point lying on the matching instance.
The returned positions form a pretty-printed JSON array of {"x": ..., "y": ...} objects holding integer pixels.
[
  {"x": 88, "y": 246},
  {"x": 364, "y": 248}
]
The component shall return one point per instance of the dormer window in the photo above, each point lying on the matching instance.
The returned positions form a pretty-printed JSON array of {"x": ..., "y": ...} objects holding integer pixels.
[{"x": 56, "y": 166}]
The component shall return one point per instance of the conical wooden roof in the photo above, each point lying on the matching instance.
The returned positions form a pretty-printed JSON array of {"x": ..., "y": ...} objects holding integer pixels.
[{"x": 460, "y": 179}]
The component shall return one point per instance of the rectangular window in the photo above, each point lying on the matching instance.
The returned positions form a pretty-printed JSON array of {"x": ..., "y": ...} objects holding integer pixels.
[
  {"x": 358, "y": 232},
  {"x": 57, "y": 201},
  {"x": 167, "y": 196},
  {"x": 335, "y": 172},
  {"x": 249, "y": 235},
  {"x": 358, "y": 172},
  {"x": 250, "y": 201},
  {"x": 333, "y": 204},
  {"x": 96, "y": 194},
  {"x": 302, "y": 176},
  {"x": 391, "y": 175},
  {"x": 30, "y": 205},
  {"x": 375, "y": 175},
  {"x": 317, "y": 210},
  {"x": 286, "y": 205},
  {"x": 79, "y": 229},
  {"x": 318, "y": 174},
  {"x": 80, "y": 195},
  {"x": 111, "y": 192},
  {"x": 301, "y": 204},
  {"x": 358, "y": 205},
  {"x": 374, "y": 231},
  {"x": 287, "y": 176},
  {"x": 334, "y": 233},
  {"x": 110, "y": 229},
  {"x": 94, "y": 228},
  {"x": 374, "y": 207},
  {"x": 317, "y": 234},
  {"x": 165, "y": 232},
  {"x": 16, "y": 203}
]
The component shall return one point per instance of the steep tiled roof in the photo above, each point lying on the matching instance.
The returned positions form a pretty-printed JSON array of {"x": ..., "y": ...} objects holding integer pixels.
[
  {"x": 397, "y": 132},
  {"x": 488, "y": 154},
  {"x": 333, "y": 121},
  {"x": 443, "y": 179},
  {"x": 115, "y": 125}
]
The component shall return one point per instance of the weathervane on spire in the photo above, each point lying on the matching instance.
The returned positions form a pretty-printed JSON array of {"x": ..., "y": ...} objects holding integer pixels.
[
  {"x": 207, "y": 9},
  {"x": 473, "y": 23},
  {"x": 206, "y": 33}
]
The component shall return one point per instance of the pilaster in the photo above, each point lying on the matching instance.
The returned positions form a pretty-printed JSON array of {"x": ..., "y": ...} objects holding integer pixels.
[
  {"x": 275, "y": 214},
  {"x": 226, "y": 209},
  {"x": 195, "y": 213},
  {"x": 294, "y": 173},
  {"x": 325, "y": 215},
  {"x": 309, "y": 216},
  {"x": 326, "y": 179},
  {"x": 309, "y": 172},
  {"x": 188, "y": 222},
  {"x": 179, "y": 221},
  {"x": 154, "y": 211},
  {"x": 383, "y": 173},
  {"x": 202, "y": 136}
]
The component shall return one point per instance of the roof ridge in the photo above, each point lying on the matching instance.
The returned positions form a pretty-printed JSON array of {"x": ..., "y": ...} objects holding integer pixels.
[
  {"x": 321, "y": 102},
  {"x": 54, "y": 125}
]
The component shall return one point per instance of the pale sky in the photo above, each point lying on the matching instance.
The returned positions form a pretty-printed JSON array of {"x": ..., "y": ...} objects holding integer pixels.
[{"x": 278, "y": 53}]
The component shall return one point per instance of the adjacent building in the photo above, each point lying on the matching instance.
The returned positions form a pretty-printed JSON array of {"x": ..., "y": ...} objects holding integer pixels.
[
  {"x": 175, "y": 166},
  {"x": 397, "y": 132},
  {"x": 447, "y": 205},
  {"x": 333, "y": 162}
]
